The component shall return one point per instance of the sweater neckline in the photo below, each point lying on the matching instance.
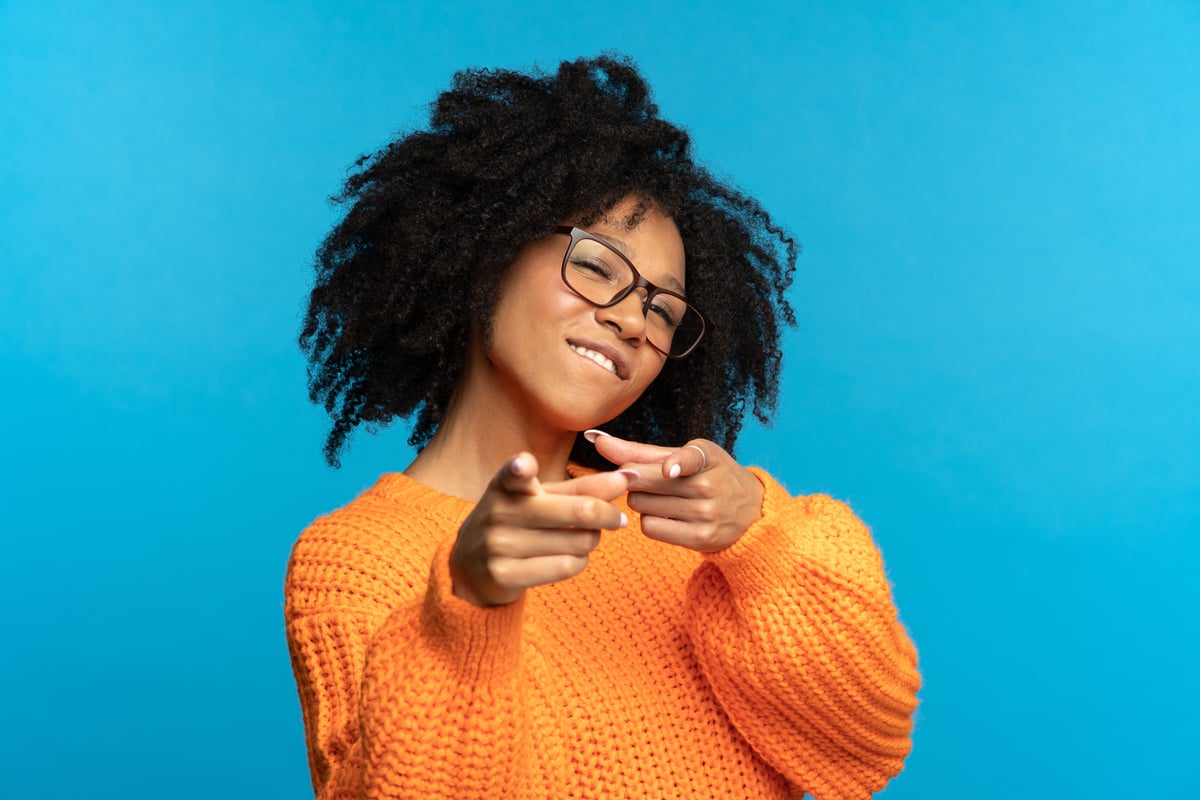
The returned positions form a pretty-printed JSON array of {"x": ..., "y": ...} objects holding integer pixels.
[{"x": 398, "y": 486}]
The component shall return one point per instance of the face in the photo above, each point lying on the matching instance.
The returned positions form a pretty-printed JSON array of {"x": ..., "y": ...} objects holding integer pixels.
[{"x": 564, "y": 360}]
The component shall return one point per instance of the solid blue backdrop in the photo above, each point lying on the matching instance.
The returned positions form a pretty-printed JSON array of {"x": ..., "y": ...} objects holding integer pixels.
[{"x": 996, "y": 361}]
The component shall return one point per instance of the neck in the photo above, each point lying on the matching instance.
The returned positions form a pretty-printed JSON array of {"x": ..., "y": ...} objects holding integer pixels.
[{"x": 485, "y": 425}]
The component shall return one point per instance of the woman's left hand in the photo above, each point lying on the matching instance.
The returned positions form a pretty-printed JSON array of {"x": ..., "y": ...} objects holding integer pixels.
[{"x": 695, "y": 496}]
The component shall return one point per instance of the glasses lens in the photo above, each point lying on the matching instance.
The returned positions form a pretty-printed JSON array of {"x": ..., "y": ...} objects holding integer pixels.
[
  {"x": 599, "y": 274},
  {"x": 689, "y": 327}
]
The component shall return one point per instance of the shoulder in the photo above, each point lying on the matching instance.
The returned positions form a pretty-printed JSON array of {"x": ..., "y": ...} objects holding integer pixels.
[
  {"x": 394, "y": 504},
  {"x": 822, "y": 506},
  {"x": 819, "y": 523},
  {"x": 366, "y": 522},
  {"x": 370, "y": 551}
]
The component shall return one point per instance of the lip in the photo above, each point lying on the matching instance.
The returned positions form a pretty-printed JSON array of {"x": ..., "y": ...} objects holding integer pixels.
[{"x": 611, "y": 353}]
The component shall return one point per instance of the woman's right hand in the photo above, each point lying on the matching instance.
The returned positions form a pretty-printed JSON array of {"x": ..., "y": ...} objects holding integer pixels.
[{"x": 525, "y": 533}]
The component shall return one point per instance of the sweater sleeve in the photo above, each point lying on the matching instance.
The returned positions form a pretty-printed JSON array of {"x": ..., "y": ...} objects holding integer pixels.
[
  {"x": 420, "y": 700},
  {"x": 795, "y": 630}
]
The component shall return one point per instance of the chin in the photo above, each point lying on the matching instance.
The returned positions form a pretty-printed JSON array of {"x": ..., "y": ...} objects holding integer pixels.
[
  {"x": 582, "y": 414},
  {"x": 578, "y": 422}
]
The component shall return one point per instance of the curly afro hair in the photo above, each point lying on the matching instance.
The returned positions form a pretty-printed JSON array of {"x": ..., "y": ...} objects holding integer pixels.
[{"x": 436, "y": 216}]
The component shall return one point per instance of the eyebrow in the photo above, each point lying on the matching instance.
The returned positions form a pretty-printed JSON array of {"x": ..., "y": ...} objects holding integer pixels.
[{"x": 623, "y": 249}]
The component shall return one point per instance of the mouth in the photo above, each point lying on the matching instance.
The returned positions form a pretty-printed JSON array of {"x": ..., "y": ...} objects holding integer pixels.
[{"x": 604, "y": 358}]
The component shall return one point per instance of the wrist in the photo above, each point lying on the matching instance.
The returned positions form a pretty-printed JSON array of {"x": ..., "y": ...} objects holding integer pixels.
[{"x": 750, "y": 510}]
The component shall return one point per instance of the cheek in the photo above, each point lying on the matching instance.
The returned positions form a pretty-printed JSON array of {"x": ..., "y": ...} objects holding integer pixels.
[
  {"x": 524, "y": 307},
  {"x": 540, "y": 297},
  {"x": 651, "y": 370}
]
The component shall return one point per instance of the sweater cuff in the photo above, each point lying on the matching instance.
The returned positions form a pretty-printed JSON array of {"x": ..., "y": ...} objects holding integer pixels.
[
  {"x": 479, "y": 640},
  {"x": 753, "y": 559}
]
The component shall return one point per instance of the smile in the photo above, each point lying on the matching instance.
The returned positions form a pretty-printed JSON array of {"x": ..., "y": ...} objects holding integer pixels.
[{"x": 599, "y": 358}]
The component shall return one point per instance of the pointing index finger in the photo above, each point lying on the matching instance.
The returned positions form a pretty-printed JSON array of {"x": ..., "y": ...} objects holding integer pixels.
[
  {"x": 518, "y": 475},
  {"x": 623, "y": 451}
]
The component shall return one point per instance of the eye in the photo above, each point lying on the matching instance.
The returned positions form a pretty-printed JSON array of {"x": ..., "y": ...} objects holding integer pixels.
[
  {"x": 666, "y": 311},
  {"x": 591, "y": 268}
]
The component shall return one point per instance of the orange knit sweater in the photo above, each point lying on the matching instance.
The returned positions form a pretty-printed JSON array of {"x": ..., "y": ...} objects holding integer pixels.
[{"x": 774, "y": 667}]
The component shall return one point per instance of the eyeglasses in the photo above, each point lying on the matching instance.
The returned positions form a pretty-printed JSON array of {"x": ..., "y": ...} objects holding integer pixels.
[{"x": 601, "y": 275}]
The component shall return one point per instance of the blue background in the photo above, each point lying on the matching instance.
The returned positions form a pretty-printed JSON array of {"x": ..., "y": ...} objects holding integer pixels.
[{"x": 996, "y": 362}]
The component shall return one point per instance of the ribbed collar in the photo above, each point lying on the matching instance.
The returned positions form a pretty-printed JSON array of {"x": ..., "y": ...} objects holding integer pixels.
[{"x": 403, "y": 489}]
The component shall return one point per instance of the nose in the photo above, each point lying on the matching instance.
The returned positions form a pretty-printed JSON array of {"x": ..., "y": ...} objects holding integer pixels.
[{"x": 626, "y": 318}]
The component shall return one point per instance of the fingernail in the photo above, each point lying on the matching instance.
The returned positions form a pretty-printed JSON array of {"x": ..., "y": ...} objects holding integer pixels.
[
  {"x": 624, "y": 519},
  {"x": 517, "y": 465},
  {"x": 674, "y": 471},
  {"x": 629, "y": 474},
  {"x": 592, "y": 433}
]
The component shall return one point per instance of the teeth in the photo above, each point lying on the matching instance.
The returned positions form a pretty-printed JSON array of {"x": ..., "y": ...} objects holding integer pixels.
[{"x": 599, "y": 358}]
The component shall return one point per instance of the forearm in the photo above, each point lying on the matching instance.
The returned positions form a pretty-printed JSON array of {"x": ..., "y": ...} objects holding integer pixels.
[
  {"x": 444, "y": 710},
  {"x": 439, "y": 707},
  {"x": 797, "y": 634}
]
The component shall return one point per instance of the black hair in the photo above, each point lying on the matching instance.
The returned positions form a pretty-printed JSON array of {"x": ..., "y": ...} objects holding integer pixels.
[{"x": 436, "y": 216}]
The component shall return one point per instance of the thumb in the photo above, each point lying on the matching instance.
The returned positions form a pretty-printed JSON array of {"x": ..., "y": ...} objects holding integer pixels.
[{"x": 603, "y": 485}]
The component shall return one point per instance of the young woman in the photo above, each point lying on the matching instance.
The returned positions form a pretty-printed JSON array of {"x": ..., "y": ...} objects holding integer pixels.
[{"x": 534, "y": 607}]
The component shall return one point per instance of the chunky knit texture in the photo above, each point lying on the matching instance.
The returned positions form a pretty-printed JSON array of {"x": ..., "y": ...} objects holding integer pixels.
[{"x": 774, "y": 667}]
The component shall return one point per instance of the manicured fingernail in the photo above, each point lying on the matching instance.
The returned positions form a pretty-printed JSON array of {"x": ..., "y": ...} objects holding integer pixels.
[
  {"x": 517, "y": 465},
  {"x": 674, "y": 471},
  {"x": 624, "y": 519},
  {"x": 630, "y": 475},
  {"x": 592, "y": 433}
]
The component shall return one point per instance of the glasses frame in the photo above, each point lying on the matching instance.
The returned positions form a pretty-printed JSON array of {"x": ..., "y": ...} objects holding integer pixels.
[{"x": 639, "y": 282}]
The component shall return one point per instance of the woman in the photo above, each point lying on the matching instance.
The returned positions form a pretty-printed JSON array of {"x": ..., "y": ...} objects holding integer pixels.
[{"x": 547, "y": 259}]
